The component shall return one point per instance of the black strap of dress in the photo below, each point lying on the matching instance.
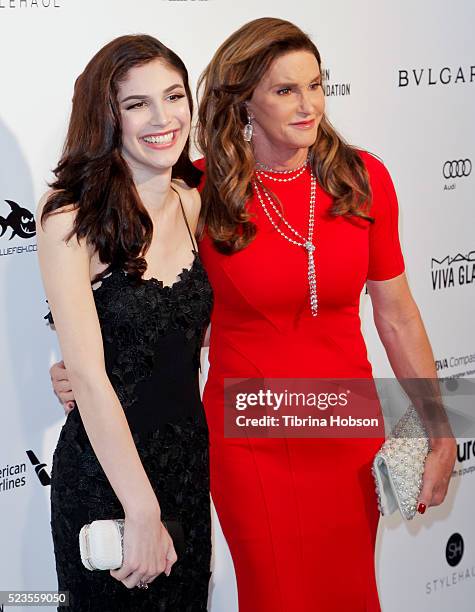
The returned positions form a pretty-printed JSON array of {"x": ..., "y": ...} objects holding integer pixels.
[{"x": 186, "y": 220}]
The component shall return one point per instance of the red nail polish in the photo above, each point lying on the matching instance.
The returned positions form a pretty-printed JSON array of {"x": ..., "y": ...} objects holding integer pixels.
[{"x": 421, "y": 508}]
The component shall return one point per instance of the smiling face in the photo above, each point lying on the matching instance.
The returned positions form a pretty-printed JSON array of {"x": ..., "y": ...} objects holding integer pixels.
[
  {"x": 155, "y": 116},
  {"x": 287, "y": 107}
]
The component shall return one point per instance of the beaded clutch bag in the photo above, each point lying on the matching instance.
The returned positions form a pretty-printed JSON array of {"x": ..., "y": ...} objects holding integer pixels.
[{"x": 399, "y": 465}]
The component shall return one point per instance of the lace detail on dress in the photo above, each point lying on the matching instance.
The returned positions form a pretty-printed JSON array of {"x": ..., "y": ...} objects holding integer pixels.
[
  {"x": 139, "y": 320},
  {"x": 135, "y": 314},
  {"x": 82, "y": 494}
]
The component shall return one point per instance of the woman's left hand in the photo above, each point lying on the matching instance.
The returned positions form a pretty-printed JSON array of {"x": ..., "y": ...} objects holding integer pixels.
[{"x": 437, "y": 473}]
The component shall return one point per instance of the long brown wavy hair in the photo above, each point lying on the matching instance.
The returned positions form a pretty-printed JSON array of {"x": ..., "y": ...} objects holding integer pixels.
[
  {"x": 225, "y": 85},
  {"x": 92, "y": 174}
]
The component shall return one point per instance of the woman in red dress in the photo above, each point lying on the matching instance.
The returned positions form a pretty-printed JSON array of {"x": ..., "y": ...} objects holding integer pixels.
[{"x": 297, "y": 222}]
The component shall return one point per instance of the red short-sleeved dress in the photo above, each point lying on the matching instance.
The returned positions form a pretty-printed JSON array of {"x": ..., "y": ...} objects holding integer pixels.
[{"x": 299, "y": 515}]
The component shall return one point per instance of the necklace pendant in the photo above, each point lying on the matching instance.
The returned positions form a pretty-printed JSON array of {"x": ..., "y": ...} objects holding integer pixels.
[{"x": 309, "y": 247}]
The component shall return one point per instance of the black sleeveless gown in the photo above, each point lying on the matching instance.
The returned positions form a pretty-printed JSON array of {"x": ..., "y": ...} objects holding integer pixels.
[{"x": 152, "y": 337}]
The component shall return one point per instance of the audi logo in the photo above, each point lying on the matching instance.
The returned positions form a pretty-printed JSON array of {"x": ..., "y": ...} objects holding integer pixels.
[{"x": 457, "y": 168}]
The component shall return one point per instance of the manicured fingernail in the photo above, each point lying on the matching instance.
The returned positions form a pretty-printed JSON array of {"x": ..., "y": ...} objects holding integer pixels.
[
  {"x": 167, "y": 573},
  {"x": 421, "y": 508}
]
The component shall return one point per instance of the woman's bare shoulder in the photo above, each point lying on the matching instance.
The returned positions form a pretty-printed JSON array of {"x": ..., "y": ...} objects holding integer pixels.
[
  {"x": 59, "y": 223},
  {"x": 190, "y": 197}
]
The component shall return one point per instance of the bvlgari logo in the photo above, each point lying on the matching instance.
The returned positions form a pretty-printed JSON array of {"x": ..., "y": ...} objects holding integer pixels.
[
  {"x": 452, "y": 270},
  {"x": 20, "y": 221},
  {"x": 445, "y": 75}
]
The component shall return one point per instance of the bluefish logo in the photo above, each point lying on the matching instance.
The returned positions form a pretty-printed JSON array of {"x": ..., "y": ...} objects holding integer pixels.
[{"x": 20, "y": 220}]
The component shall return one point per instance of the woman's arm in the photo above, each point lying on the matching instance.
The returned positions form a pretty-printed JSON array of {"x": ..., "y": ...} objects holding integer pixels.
[
  {"x": 400, "y": 328},
  {"x": 403, "y": 335},
  {"x": 66, "y": 277}
]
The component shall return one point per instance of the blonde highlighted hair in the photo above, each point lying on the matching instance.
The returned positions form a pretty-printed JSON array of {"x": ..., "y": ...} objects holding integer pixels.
[{"x": 225, "y": 85}]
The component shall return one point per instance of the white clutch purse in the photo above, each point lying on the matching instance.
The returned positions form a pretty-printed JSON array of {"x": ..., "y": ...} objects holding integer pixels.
[
  {"x": 399, "y": 465},
  {"x": 100, "y": 544}
]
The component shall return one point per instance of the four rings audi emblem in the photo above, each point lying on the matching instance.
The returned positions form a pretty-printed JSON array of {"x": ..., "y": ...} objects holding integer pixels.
[{"x": 457, "y": 168}]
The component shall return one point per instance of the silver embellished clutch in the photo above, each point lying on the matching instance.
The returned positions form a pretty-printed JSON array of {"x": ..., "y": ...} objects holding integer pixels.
[{"x": 399, "y": 465}]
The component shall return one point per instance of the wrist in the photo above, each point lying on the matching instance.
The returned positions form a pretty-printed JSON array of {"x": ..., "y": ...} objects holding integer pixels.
[
  {"x": 439, "y": 443},
  {"x": 142, "y": 509}
]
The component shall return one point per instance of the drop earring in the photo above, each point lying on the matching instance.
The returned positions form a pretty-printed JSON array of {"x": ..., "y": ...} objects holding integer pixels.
[{"x": 248, "y": 129}]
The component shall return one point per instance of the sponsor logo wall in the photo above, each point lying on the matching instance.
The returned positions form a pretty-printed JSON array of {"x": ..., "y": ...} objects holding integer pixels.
[{"x": 399, "y": 81}]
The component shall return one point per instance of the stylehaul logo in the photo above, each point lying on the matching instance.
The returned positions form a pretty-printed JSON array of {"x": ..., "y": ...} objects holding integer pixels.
[
  {"x": 29, "y": 4},
  {"x": 450, "y": 271},
  {"x": 458, "y": 576}
]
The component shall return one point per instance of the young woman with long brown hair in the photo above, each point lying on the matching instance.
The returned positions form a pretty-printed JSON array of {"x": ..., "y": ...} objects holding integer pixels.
[
  {"x": 296, "y": 222},
  {"x": 117, "y": 219}
]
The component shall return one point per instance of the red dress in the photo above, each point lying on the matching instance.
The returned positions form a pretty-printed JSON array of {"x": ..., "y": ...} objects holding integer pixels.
[{"x": 299, "y": 515}]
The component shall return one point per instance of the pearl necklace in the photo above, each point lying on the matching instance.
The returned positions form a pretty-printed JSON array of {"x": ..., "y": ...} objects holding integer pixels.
[
  {"x": 299, "y": 171},
  {"x": 306, "y": 243}
]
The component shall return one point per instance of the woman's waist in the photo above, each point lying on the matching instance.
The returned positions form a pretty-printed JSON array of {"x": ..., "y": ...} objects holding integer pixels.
[
  {"x": 241, "y": 352},
  {"x": 146, "y": 420}
]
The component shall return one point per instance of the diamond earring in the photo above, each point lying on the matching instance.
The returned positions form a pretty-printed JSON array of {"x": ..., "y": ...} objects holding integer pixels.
[{"x": 248, "y": 129}]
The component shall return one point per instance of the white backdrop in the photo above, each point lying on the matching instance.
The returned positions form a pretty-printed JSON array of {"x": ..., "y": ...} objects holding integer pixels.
[{"x": 401, "y": 83}]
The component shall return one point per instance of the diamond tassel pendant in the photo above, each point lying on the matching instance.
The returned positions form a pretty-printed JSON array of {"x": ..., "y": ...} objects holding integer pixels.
[{"x": 248, "y": 130}]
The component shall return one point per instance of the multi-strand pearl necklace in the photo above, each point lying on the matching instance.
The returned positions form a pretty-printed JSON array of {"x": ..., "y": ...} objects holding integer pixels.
[
  {"x": 299, "y": 171},
  {"x": 306, "y": 243}
]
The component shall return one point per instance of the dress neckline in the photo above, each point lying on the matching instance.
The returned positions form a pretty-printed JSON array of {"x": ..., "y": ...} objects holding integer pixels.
[
  {"x": 154, "y": 281},
  {"x": 178, "y": 278}
]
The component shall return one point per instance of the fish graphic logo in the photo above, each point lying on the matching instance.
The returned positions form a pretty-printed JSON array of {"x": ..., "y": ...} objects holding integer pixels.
[{"x": 20, "y": 220}]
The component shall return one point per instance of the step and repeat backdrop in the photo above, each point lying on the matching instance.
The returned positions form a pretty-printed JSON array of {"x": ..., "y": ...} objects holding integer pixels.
[{"x": 400, "y": 82}]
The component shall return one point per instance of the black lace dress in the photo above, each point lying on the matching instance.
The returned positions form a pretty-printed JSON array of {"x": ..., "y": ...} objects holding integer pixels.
[{"x": 152, "y": 336}]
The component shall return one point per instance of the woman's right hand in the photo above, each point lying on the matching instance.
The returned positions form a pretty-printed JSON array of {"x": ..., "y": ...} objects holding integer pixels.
[
  {"x": 148, "y": 550},
  {"x": 62, "y": 386}
]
